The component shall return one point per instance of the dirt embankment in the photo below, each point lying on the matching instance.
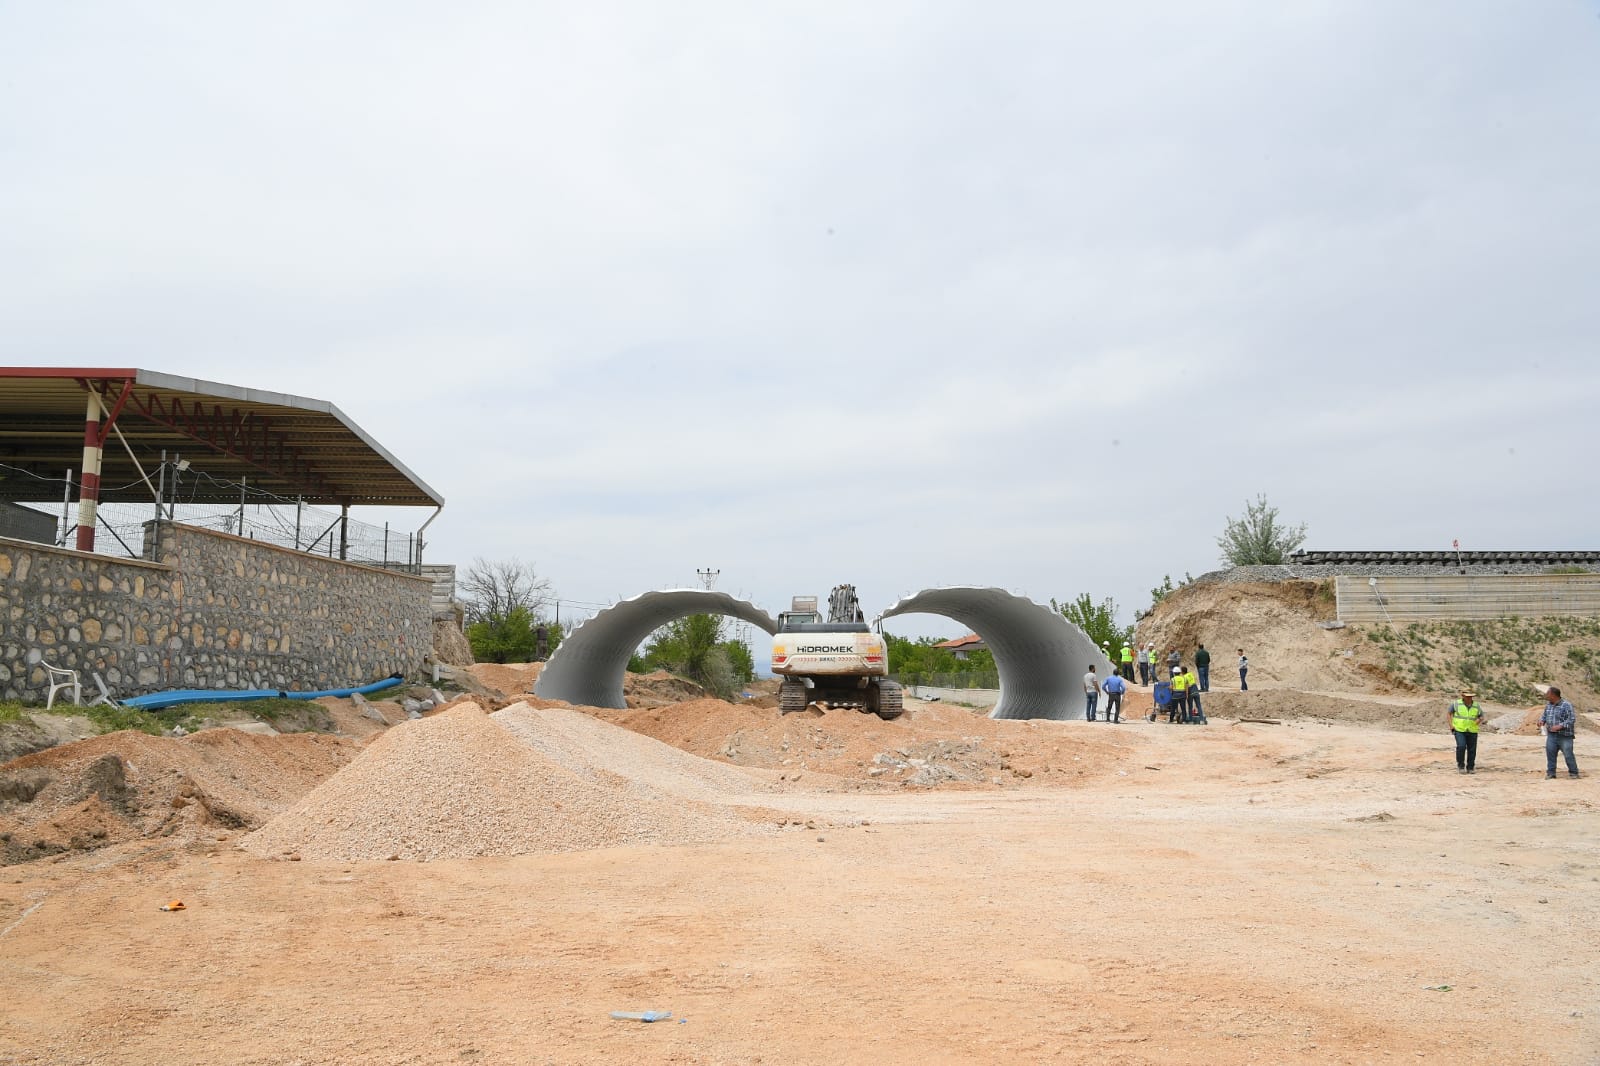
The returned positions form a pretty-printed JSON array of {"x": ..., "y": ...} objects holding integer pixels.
[
  {"x": 655, "y": 689},
  {"x": 931, "y": 745},
  {"x": 1275, "y": 623},
  {"x": 127, "y": 785},
  {"x": 1337, "y": 671},
  {"x": 481, "y": 777}
]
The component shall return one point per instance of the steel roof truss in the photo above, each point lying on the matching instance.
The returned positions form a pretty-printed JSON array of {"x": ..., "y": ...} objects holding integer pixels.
[{"x": 235, "y": 434}]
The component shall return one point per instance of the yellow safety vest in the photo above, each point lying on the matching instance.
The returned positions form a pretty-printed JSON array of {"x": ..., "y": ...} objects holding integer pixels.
[
  {"x": 1464, "y": 719},
  {"x": 1180, "y": 682},
  {"x": 1127, "y": 654}
]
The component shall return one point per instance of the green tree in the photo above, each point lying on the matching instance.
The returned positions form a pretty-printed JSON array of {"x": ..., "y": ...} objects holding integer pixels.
[
  {"x": 919, "y": 656},
  {"x": 1098, "y": 620},
  {"x": 915, "y": 661},
  {"x": 510, "y": 639},
  {"x": 505, "y": 602},
  {"x": 491, "y": 590},
  {"x": 742, "y": 660},
  {"x": 694, "y": 647},
  {"x": 1258, "y": 538}
]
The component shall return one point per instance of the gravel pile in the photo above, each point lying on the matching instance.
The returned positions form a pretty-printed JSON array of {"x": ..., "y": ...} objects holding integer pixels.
[
  {"x": 458, "y": 785},
  {"x": 601, "y": 752}
]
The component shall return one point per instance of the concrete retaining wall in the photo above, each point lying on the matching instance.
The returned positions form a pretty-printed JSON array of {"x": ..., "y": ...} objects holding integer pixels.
[
  {"x": 211, "y": 610},
  {"x": 1420, "y": 599},
  {"x": 971, "y": 697}
]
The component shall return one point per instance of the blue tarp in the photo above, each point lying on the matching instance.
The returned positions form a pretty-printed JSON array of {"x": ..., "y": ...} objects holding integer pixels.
[{"x": 155, "y": 701}]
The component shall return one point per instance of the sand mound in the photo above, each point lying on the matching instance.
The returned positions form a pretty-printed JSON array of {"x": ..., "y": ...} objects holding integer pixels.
[
  {"x": 932, "y": 745},
  {"x": 658, "y": 689},
  {"x": 457, "y": 785},
  {"x": 508, "y": 679},
  {"x": 127, "y": 785}
]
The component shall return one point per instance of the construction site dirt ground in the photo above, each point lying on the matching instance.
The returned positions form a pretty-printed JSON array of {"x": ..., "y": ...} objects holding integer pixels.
[{"x": 1134, "y": 893}]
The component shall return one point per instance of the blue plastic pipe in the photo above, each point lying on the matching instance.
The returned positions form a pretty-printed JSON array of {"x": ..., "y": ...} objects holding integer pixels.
[{"x": 155, "y": 701}]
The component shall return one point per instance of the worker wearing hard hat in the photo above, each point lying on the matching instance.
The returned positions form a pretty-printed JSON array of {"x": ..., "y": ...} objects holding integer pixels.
[
  {"x": 1465, "y": 716},
  {"x": 1192, "y": 690},
  {"x": 1178, "y": 709},
  {"x": 1127, "y": 661}
]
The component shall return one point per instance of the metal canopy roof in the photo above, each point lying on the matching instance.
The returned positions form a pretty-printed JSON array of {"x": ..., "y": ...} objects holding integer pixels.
[{"x": 280, "y": 443}]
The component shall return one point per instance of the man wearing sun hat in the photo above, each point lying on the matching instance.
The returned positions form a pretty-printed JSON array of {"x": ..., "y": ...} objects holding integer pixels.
[{"x": 1465, "y": 715}]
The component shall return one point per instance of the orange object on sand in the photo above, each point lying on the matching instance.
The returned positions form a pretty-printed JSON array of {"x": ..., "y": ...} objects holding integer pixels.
[{"x": 174, "y": 905}]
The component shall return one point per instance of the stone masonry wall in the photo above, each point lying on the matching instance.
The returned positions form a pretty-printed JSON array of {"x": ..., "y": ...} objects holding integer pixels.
[
  {"x": 84, "y": 612},
  {"x": 211, "y": 611}
]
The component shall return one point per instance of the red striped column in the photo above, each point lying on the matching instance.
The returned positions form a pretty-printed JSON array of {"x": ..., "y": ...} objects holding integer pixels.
[{"x": 89, "y": 492}]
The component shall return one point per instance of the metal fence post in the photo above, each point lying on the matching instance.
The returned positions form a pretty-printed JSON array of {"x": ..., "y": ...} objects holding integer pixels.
[{"x": 66, "y": 508}]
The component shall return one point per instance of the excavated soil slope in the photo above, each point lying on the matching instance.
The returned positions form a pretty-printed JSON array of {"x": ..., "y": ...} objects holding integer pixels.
[
  {"x": 1336, "y": 672},
  {"x": 1276, "y": 625},
  {"x": 508, "y": 679},
  {"x": 655, "y": 689},
  {"x": 127, "y": 785}
]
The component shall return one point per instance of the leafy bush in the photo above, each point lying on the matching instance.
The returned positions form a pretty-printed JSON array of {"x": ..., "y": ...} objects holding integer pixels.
[
  {"x": 693, "y": 647},
  {"x": 1167, "y": 588}
]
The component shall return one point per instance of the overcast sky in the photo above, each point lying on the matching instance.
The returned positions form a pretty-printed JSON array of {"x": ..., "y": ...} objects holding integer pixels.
[{"x": 1032, "y": 295}]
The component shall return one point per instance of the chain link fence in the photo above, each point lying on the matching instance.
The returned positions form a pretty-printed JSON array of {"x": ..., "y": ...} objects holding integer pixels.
[{"x": 120, "y": 527}]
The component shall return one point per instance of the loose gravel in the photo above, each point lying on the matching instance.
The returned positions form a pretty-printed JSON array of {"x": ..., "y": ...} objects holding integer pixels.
[
  {"x": 600, "y": 752},
  {"x": 460, "y": 784}
]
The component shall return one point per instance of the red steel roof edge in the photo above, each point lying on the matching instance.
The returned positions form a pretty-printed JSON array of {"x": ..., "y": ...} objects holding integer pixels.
[{"x": 119, "y": 373}]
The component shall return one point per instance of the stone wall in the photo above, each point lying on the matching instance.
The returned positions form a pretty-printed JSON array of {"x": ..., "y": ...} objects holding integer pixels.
[
  {"x": 210, "y": 610},
  {"x": 84, "y": 612}
]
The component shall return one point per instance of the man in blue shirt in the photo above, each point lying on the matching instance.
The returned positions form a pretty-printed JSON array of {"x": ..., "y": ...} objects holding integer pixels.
[
  {"x": 1560, "y": 723},
  {"x": 1114, "y": 687}
]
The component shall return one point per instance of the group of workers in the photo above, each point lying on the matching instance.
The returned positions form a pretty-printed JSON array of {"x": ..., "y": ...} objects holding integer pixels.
[
  {"x": 1147, "y": 660},
  {"x": 1182, "y": 701},
  {"x": 1179, "y": 696}
]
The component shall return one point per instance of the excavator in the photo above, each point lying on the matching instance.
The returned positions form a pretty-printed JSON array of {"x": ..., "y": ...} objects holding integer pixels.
[{"x": 837, "y": 663}]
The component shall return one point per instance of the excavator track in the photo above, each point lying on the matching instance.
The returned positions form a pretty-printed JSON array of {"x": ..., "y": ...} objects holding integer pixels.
[
  {"x": 792, "y": 696},
  {"x": 890, "y": 701}
]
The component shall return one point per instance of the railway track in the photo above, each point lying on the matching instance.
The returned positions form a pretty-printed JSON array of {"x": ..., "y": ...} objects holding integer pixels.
[{"x": 1443, "y": 558}]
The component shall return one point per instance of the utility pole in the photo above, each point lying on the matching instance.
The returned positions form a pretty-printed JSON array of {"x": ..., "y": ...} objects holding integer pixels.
[{"x": 708, "y": 578}]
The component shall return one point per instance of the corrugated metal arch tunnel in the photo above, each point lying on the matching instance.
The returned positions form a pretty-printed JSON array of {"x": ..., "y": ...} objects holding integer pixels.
[
  {"x": 1040, "y": 655},
  {"x": 588, "y": 667}
]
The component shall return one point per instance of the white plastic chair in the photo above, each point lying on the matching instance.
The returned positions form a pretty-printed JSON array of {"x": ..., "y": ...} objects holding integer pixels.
[
  {"x": 58, "y": 677},
  {"x": 105, "y": 696}
]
